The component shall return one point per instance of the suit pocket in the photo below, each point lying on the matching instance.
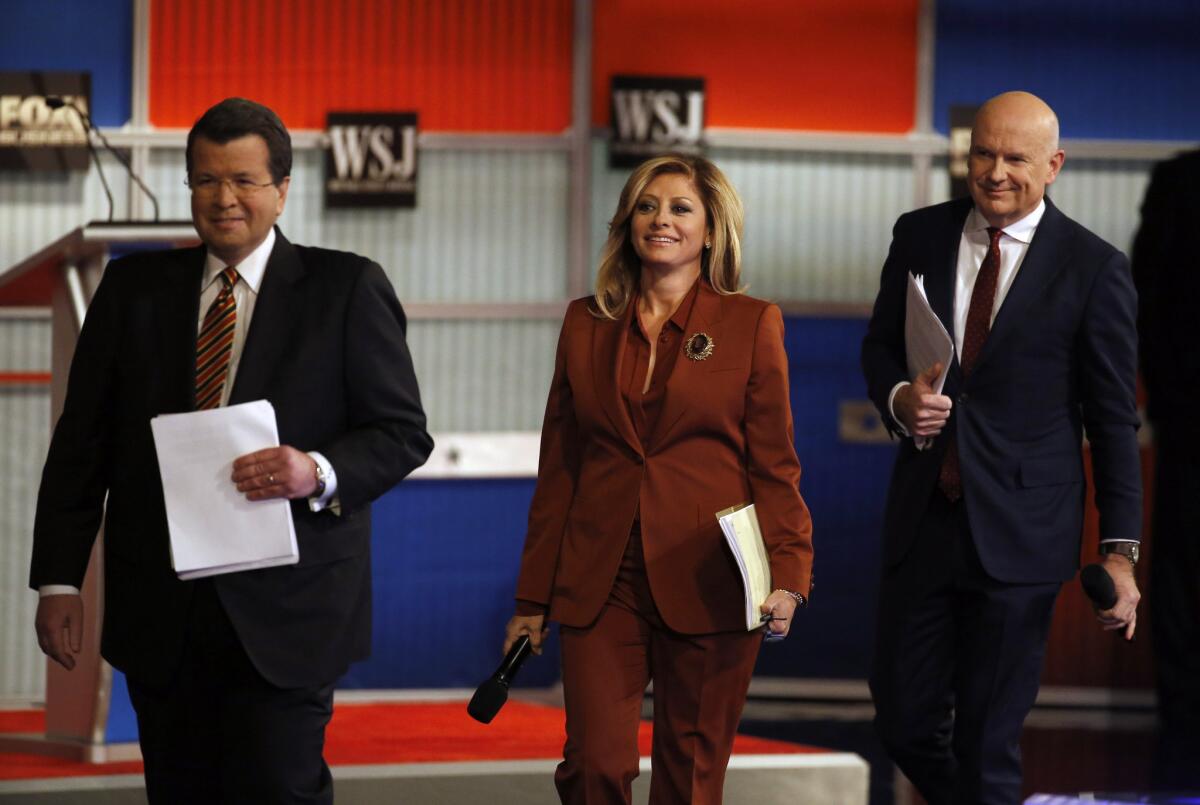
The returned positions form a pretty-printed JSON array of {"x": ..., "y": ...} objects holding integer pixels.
[{"x": 1050, "y": 471}]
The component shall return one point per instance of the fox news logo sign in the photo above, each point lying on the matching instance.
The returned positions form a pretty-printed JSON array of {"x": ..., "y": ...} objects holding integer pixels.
[
  {"x": 371, "y": 160},
  {"x": 34, "y": 137},
  {"x": 653, "y": 115}
]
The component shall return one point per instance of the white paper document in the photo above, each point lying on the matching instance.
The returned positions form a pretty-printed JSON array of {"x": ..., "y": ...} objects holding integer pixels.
[
  {"x": 213, "y": 528},
  {"x": 926, "y": 341},
  {"x": 742, "y": 533}
]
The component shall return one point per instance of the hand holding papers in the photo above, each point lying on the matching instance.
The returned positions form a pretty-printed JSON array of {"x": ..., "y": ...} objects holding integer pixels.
[
  {"x": 742, "y": 533},
  {"x": 926, "y": 341},
  {"x": 213, "y": 528}
]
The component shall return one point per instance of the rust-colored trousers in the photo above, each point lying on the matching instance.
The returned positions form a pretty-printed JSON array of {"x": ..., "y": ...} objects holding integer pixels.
[{"x": 700, "y": 684}]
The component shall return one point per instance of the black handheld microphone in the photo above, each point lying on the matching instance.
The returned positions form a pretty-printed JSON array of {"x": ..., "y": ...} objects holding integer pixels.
[
  {"x": 493, "y": 693},
  {"x": 55, "y": 102},
  {"x": 1099, "y": 586}
]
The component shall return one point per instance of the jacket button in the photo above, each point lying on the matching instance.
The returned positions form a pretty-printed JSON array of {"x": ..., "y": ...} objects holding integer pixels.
[{"x": 962, "y": 398}]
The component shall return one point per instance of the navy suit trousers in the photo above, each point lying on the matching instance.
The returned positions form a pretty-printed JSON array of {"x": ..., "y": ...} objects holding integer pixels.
[{"x": 957, "y": 664}]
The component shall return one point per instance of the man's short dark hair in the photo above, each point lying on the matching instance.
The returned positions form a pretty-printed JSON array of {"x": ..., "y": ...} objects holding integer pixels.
[{"x": 237, "y": 117}]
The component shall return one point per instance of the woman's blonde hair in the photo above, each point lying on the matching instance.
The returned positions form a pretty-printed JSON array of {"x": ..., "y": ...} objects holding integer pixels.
[{"x": 620, "y": 267}]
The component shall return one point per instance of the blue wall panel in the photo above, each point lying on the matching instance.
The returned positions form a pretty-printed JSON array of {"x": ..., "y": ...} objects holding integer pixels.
[
  {"x": 75, "y": 35},
  {"x": 1110, "y": 68},
  {"x": 444, "y": 560},
  {"x": 844, "y": 485}
]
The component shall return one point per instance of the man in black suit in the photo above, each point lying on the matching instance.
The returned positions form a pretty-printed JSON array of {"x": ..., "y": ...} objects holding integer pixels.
[
  {"x": 1166, "y": 272},
  {"x": 231, "y": 676},
  {"x": 985, "y": 508}
]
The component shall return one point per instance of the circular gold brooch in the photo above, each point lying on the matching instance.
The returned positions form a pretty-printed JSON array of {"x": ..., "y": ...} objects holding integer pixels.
[{"x": 698, "y": 347}]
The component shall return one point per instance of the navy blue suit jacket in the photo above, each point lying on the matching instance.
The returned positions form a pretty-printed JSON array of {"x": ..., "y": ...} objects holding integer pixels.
[{"x": 1061, "y": 358}]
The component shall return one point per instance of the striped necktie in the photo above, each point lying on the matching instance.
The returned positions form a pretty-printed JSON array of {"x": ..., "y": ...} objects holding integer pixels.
[{"x": 214, "y": 345}]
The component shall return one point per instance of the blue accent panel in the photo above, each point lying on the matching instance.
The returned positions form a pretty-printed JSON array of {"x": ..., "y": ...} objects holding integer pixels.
[
  {"x": 844, "y": 486},
  {"x": 445, "y": 554},
  {"x": 75, "y": 35},
  {"x": 122, "y": 721},
  {"x": 1110, "y": 68},
  {"x": 444, "y": 561}
]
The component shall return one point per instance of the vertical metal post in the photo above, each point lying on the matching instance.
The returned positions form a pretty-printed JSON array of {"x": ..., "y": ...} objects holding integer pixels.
[
  {"x": 578, "y": 227},
  {"x": 139, "y": 118},
  {"x": 923, "y": 117}
]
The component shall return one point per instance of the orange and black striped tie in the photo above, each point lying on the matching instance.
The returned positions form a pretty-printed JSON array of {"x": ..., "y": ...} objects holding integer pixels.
[{"x": 214, "y": 345}]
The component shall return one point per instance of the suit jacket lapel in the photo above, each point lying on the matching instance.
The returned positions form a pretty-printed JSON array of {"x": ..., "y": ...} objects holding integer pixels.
[
  {"x": 608, "y": 350},
  {"x": 688, "y": 377},
  {"x": 178, "y": 319},
  {"x": 1045, "y": 258},
  {"x": 275, "y": 318},
  {"x": 940, "y": 278}
]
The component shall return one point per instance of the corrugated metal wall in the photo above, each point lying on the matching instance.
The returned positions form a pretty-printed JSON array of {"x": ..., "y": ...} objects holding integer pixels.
[
  {"x": 490, "y": 226},
  {"x": 37, "y": 209},
  {"x": 24, "y": 437},
  {"x": 484, "y": 375}
]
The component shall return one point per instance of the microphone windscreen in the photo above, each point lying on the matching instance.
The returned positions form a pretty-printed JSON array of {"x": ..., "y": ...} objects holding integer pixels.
[
  {"x": 1099, "y": 586},
  {"x": 487, "y": 701}
]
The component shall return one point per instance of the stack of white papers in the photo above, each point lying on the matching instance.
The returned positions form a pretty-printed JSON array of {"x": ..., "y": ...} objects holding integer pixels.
[
  {"x": 926, "y": 341},
  {"x": 742, "y": 533},
  {"x": 213, "y": 528}
]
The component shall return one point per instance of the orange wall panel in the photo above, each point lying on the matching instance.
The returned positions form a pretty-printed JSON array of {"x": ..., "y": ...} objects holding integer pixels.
[
  {"x": 463, "y": 65},
  {"x": 832, "y": 65}
]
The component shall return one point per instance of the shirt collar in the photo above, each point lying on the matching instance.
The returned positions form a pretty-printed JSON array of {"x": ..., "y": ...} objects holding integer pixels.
[
  {"x": 679, "y": 317},
  {"x": 251, "y": 270},
  {"x": 1022, "y": 230}
]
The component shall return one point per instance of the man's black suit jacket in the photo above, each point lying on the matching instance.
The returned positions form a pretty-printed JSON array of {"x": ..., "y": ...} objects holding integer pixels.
[
  {"x": 326, "y": 347},
  {"x": 1061, "y": 357}
]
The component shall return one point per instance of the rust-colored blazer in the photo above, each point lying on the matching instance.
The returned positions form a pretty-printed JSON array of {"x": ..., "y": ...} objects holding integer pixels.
[{"x": 724, "y": 436}]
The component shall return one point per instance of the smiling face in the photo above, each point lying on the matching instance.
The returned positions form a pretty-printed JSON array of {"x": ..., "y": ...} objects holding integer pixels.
[
  {"x": 669, "y": 224},
  {"x": 234, "y": 203},
  {"x": 1014, "y": 156}
]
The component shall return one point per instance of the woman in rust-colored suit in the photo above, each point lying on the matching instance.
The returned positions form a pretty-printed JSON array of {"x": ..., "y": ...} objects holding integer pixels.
[{"x": 669, "y": 403}]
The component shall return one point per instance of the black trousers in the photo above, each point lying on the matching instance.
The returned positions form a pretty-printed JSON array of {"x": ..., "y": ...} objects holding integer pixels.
[
  {"x": 957, "y": 663},
  {"x": 1174, "y": 593},
  {"x": 220, "y": 733}
]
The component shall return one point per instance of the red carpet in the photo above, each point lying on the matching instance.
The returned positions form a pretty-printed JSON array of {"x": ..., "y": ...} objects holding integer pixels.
[{"x": 400, "y": 732}]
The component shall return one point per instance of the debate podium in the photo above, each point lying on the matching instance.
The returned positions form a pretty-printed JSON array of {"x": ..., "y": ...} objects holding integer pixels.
[{"x": 88, "y": 717}]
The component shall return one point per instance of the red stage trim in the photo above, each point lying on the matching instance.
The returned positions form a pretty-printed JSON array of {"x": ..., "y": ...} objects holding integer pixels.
[
  {"x": 24, "y": 378},
  {"x": 400, "y": 732}
]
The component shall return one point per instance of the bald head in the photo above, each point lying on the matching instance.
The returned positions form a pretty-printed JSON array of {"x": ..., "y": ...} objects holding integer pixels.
[
  {"x": 1023, "y": 109},
  {"x": 1014, "y": 156}
]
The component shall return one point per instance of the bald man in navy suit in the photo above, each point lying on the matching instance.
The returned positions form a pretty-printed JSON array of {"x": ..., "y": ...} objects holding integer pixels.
[{"x": 984, "y": 513}]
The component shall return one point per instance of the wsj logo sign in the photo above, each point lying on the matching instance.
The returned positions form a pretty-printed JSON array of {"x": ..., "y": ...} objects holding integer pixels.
[
  {"x": 372, "y": 159},
  {"x": 654, "y": 115},
  {"x": 32, "y": 135}
]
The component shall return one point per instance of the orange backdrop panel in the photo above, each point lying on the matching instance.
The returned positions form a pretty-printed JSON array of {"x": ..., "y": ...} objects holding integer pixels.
[
  {"x": 463, "y": 65},
  {"x": 833, "y": 65}
]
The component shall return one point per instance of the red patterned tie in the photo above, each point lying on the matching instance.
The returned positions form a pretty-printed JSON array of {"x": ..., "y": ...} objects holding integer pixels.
[
  {"x": 979, "y": 324},
  {"x": 214, "y": 345}
]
